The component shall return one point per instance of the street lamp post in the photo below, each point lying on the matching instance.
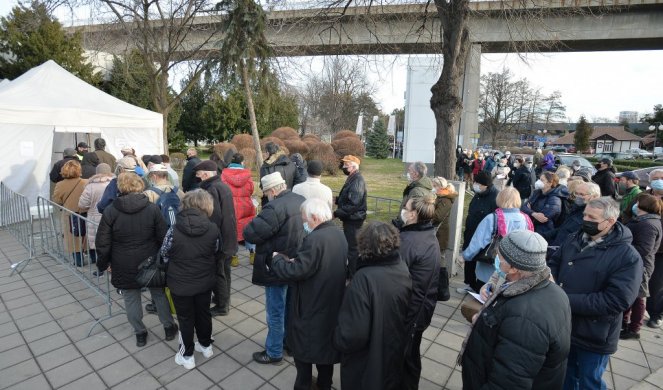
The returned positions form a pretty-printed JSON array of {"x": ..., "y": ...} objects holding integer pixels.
[{"x": 657, "y": 128}]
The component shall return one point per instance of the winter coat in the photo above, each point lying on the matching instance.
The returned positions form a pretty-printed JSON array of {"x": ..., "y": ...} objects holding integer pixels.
[
  {"x": 313, "y": 188},
  {"x": 477, "y": 166},
  {"x": 131, "y": 230},
  {"x": 89, "y": 165},
  {"x": 421, "y": 253},
  {"x": 629, "y": 198},
  {"x": 467, "y": 164},
  {"x": 279, "y": 162},
  {"x": 489, "y": 165},
  {"x": 191, "y": 249},
  {"x": 105, "y": 157},
  {"x": 189, "y": 182},
  {"x": 501, "y": 176},
  {"x": 601, "y": 281},
  {"x": 572, "y": 224},
  {"x": 443, "y": 205},
  {"x": 371, "y": 331},
  {"x": 351, "y": 201},
  {"x": 278, "y": 228},
  {"x": 519, "y": 343},
  {"x": 522, "y": 181},
  {"x": 537, "y": 160},
  {"x": 110, "y": 194},
  {"x": 606, "y": 181},
  {"x": 482, "y": 204},
  {"x": 647, "y": 233},
  {"x": 419, "y": 187},
  {"x": 241, "y": 186},
  {"x": 67, "y": 193},
  {"x": 550, "y": 204},
  {"x": 55, "y": 175},
  {"x": 549, "y": 162},
  {"x": 224, "y": 213},
  {"x": 92, "y": 193},
  {"x": 317, "y": 282}
]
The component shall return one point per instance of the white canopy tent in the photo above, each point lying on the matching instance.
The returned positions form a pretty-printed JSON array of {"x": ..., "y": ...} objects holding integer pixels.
[{"x": 47, "y": 104}]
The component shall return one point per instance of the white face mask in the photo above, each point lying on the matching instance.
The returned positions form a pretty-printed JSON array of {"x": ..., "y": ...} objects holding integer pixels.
[
  {"x": 539, "y": 185},
  {"x": 476, "y": 187},
  {"x": 409, "y": 177},
  {"x": 404, "y": 215},
  {"x": 516, "y": 165}
]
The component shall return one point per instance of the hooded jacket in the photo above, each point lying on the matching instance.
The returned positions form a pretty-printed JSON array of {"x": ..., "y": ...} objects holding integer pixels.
[
  {"x": 601, "y": 281},
  {"x": 224, "y": 213},
  {"x": 131, "y": 230},
  {"x": 55, "y": 175},
  {"x": 522, "y": 181},
  {"x": 550, "y": 204},
  {"x": 89, "y": 165},
  {"x": 606, "y": 181},
  {"x": 241, "y": 186},
  {"x": 92, "y": 193},
  {"x": 189, "y": 181}
]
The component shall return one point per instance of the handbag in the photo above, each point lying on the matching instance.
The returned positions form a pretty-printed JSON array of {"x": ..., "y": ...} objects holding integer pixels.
[
  {"x": 150, "y": 274},
  {"x": 487, "y": 254},
  {"x": 77, "y": 225}
]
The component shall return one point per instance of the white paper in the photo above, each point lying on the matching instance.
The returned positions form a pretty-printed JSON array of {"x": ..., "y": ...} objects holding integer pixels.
[
  {"x": 477, "y": 297},
  {"x": 27, "y": 149}
]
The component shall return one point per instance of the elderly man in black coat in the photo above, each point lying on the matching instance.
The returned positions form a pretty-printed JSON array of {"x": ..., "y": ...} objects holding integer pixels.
[
  {"x": 189, "y": 182},
  {"x": 601, "y": 272},
  {"x": 69, "y": 154},
  {"x": 277, "y": 229},
  {"x": 517, "y": 342},
  {"x": 317, "y": 278},
  {"x": 224, "y": 218}
]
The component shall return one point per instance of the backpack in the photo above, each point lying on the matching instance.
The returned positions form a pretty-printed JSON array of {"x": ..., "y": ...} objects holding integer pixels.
[{"x": 169, "y": 204}]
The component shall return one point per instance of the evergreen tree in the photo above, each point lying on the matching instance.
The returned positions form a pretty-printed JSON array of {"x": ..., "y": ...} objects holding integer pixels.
[
  {"x": 582, "y": 134},
  {"x": 30, "y": 36},
  {"x": 377, "y": 141}
]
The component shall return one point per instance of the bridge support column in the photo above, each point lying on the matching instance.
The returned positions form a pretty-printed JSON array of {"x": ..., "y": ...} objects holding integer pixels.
[{"x": 469, "y": 120}]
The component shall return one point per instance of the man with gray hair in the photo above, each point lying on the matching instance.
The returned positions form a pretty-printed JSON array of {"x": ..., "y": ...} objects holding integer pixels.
[
  {"x": 317, "y": 274},
  {"x": 582, "y": 194},
  {"x": 189, "y": 181},
  {"x": 601, "y": 272},
  {"x": 419, "y": 184}
]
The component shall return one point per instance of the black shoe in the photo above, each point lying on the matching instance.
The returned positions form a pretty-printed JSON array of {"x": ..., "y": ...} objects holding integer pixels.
[
  {"x": 263, "y": 358},
  {"x": 171, "y": 332},
  {"x": 629, "y": 335},
  {"x": 151, "y": 308},
  {"x": 287, "y": 350},
  {"x": 141, "y": 339},
  {"x": 98, "y": 273},
  {"x": 218, "y": 311},
  {"x": 655, "y": 322}
]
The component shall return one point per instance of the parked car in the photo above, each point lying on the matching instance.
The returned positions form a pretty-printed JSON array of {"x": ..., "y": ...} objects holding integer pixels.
[
  {"x": 567, "y": 159},
  {"x": 640, "y": 153},
  {"x": 643, "y": 175},
  {"x": 615, "y": 156},
  {"x": 559, "y": 149}
]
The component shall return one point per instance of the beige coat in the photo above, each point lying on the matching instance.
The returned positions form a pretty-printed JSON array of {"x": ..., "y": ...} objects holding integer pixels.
[
  {"x": 67, "y": 193},
  {"x": 94, "y": 190}
]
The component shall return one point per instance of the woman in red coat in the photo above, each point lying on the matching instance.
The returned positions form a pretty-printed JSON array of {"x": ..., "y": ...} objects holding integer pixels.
[{"x": 240, "y": 182}]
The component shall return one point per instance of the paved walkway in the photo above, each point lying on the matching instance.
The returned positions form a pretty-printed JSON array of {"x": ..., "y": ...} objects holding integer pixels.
[{"x": 46, "y": 313}]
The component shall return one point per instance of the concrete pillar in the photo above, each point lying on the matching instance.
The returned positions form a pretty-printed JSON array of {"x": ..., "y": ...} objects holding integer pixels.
[
  {"x": 469, "y": 119},
  {"x": 455, "y": 229}
]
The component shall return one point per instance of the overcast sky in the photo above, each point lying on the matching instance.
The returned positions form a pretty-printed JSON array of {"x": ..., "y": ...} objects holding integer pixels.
[{"x": 598, "y": 84}]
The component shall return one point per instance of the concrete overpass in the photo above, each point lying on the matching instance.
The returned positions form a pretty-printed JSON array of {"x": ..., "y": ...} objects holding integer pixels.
[{"x": 557, "y": 25}]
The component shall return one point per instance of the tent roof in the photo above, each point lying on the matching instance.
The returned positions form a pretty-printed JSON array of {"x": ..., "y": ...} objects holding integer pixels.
[{"x": 49, "y": 95}]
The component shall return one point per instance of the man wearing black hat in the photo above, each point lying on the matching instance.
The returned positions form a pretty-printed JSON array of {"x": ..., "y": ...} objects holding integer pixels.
[
  {"x": 81, "y": 149},
  {"x": 483, "y": 203},
  {"x": 104, "y": 156},
  {"x": 605, "y": 177},
  {"x": 312, "y": 187},
  {"x": 223, "y": 216},
  {"x": 69, "y": 154}
]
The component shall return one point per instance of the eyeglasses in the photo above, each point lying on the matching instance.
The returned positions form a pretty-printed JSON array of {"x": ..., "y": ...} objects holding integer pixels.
[{"x": 580, "y": 194}]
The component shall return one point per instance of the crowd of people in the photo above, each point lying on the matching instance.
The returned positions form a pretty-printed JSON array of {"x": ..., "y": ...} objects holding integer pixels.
[{"x": 364, "y": 295}]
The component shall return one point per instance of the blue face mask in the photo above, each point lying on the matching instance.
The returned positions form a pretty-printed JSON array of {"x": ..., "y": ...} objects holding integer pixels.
[
  {"x": 497, "y": 268},
  {"x": 657, "y": 184},
  {"x": 634, "y": 209},
  {"x": 307, "y": 229}
]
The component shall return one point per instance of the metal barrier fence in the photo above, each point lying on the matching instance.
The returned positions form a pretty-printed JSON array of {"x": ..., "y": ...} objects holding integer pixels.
[
  {"x": 65, "y": 239},
  {"x": 17, "y": 217},
  {"x": 383, "y": 209}
]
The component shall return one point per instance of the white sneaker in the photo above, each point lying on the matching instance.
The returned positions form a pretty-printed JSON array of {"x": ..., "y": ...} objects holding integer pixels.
[
  {"x": 464, "y": 290},
  {"x": 206, "y": 351},
  {"x": 187, "y": 362}
]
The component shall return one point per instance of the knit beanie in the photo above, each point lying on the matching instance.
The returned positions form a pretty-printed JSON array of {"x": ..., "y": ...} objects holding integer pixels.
[{"x": 524, "y": 250}]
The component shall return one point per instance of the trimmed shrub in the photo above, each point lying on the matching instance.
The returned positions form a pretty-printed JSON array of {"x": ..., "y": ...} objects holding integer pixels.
[
  {"x": 325, "y": 153},
  {"x": 348, "y": 145},
  {"x": 222, "y": 148},
  {"x": 297, "y": 146},
  {"x": 308, "y": 138},
  {"x": 177, "y": 161},
  {"x": 345, "y": 134},
  {"x": 242, "y": 141},
  {"x": 285, "y": 133},
  {"x": 249, "y": 158},
  {"x": 266, "y": 140}
]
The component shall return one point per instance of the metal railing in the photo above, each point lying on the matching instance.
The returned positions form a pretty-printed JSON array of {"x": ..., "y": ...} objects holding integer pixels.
[
  {"x": 58, "y": 239},
  {"x": 379, "y": 208}
]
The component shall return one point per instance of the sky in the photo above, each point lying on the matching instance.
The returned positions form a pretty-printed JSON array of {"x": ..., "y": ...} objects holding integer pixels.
[{"x": 596, "y": 84}]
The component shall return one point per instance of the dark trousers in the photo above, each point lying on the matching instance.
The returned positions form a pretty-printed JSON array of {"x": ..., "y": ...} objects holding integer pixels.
[
  {"x": 469, "y": 270},
  {"x": 193, "y": 313},
  {"x": 412, "y": 363},
  {"x": 584, "y": 370},
  {"x": 634, "y": 315},
  {"x": 350, "y": 229},
  {"x": 221, "y": 292},
  {"x": 655, "y": 300},
  {"x": 305, "y": 375}
]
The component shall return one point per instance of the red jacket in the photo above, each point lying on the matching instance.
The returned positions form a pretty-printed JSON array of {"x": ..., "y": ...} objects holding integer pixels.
[
  {"x": 241, "y": 185},
  {"x": 477, "y": 166}
]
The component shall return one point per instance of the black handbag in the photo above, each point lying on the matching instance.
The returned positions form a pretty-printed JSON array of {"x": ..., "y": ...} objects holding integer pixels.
[
  {"x": 77, "y": 225},
  {"x": 150, "y": 273},
  {"x": 487, "y": 254}
]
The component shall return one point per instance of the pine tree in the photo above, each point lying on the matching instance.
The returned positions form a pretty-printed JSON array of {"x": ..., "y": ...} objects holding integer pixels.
[
  {"x": 582, "y": 134},
  {"x": 377, "y": 141}
]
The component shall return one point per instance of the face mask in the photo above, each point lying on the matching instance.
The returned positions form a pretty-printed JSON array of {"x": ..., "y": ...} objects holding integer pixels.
[
  {"x": 579, "y": 201},
  {"x": 657, "y": 184},
  {"x": 476, "y": 187},
  {"x": 198, "y": 179},
  {"x": 539, "y": 185},
  {"x": 516, "y": 165},
  {"x": 591, "y": 227},
  {"x": 634, "y": 209},
  {"x": 409, "y": 177},
  {"x": 622, "y": 186},
  {"x": 528, "y": 165},
  {"x": 597, "y": 166},
  {"x": 346, "y": 172},
  {"x": 480, "y": 158},
  {"x": 575, "y": 168},
  {"x": 307, "y": 229},
  {"x": 502, "y": 164},
  {"x": 404, "y": 215},
  {"x": 500, "y": 273}
]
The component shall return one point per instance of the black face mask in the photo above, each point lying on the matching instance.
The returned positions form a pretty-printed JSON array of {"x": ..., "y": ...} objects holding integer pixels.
[
  {"x": 591, "y": 227},
  {"x": 197, "y": 180},
  {"x": 346, "y": 172}
]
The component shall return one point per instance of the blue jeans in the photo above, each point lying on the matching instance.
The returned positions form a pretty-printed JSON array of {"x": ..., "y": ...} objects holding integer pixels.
[
  {"x": 584, "y": 370},
  {"x": 275, "y": 309}
]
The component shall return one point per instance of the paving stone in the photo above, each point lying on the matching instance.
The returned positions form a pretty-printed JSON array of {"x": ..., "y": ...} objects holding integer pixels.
[
  {"x": 14, "y": 294},
  {"x": 57, "y": 357},
  {"x": 94, "y": 343},
  {"x": 656, "y": 378},
  {"x": 243, "y": 352},
  {"x": 59, "y": 301},
  {"x": 71, "y": 321},
  {"x": 628, "y": 369},
  {"x": 88, "y": 382},
  {"x": 19, "y": 372},
  {"x": 28, "y": 310},
  {"x": 450, "y": 340},
  {"x": 435, "y": 372},
  {"x": 9, "y": 342},
  {"x": 49, "y": 343},
  {"x": 14, "y": 356},
  {"x": 631, "y": 355},
  {"x": 5, "y": 317},
  {"x": 152, "y": 355},
  {"x": 38, "y": 382},
  {"x": 21, "y": 302},
  {"x": 50, "y": 285},
  {"x": 455, "y": 381},
  {"x": 120, "y": 371},
  {"x": 142, "y": 381},
  {"x": 234, "y": 317},
  {"x": 218, "y": 367},
  {"x": 193, "y": 379},
  {"x": 249, "y": 327},
  {"x": 266, "y": 371},
  {"x": 167, "y": 371},
  {"x": 227, "y": 339},
  {"x": 622, "y": 383},
  {"x": 7, "y": 328},
  {"x": 66, "y": 310},
  {"x": 14, "y": 285},
  {"x": 81, "y": 331},
  {"x": 106, "y": 356},
  {"x": 242, "y": 379},
  {"x": 442, "y": 354},
  {"x": 251, "y": 308},
  {"x": 645, "y": 386},
  {"x": 68, "y": 372},
  {"x": 41, "y": 331},
  {"x": 267, "y": 386}
]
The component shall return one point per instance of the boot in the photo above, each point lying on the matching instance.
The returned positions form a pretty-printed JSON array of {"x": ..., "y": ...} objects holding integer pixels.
[
  {"x": 141, "y": 339},
  {"x": 252, "y": 257},
  {"x": 234, "y": 262}
]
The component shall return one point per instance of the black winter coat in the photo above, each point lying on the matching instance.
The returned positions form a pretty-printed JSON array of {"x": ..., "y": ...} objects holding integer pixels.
[
  {"x": 606, "y": 181},
  {"x": 224, "y": 213},
  {"x": 278, "y": 228},
  {"x": 55, "y": 175},
  {"x": 371, "y": 332},
  {"x": 550, "y": 204},
  {"x": 282, "y": 164},
  {"x": 351, "y": 200},
  {"x": 482, "y": 204},
  {"x": 601, "y": 283},
  {"x": 647, "y": 232},
  {"x": 131, "y": 230},
  {"x": 420, "y": 251},
  {"x": 189, "y": 182},
  {"x": 572, "y": 224},
  {"x": 194, "y": 251},
  {"x": 317, "y": 282},
  {"x": 522, "y": 181},
  {"x": 520, "y": 343}
]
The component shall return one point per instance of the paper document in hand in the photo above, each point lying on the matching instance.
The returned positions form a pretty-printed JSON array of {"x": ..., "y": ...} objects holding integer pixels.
[{"x": 477, "y": 297}]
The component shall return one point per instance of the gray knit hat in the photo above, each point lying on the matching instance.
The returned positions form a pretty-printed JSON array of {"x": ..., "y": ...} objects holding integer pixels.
[{"x": 524, "y": 250}]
